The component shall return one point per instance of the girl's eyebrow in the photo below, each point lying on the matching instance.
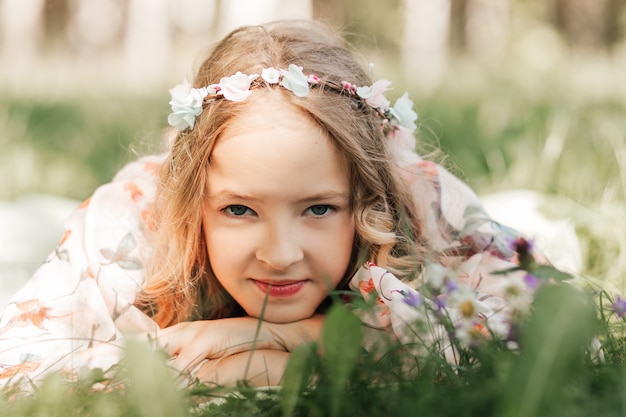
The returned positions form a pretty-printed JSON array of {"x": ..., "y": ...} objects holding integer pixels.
[
  {"x": 225, "y": 195},
  {"x": 229, "y": 195},
  {"x": 327, "y": 195}
]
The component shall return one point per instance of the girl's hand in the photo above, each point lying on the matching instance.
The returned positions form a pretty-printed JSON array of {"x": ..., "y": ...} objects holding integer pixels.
[
  {"x": 259, "y": 368},
  {"x": 189, "y": 343}
]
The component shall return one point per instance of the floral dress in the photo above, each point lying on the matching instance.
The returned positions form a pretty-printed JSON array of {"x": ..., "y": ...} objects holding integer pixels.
[{"x": 78, "y": 307}]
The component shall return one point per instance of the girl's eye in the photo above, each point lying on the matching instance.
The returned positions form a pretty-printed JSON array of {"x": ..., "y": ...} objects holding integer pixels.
[
  {"x": 320, "y": 210},
  {"x": 237, "y": 210}
]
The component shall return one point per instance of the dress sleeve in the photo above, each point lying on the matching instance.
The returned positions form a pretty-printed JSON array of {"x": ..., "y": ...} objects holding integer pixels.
[
  {"x": 465, "y": 284},
  {"x": 77, "y": 308}
]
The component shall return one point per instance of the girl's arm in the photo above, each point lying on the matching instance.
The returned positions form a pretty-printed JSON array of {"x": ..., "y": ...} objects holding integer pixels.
[{"x": 190, "y": 343}]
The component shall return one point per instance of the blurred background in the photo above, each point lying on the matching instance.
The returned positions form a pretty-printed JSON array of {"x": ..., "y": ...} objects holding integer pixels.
[{"x": 517, "y": 94}]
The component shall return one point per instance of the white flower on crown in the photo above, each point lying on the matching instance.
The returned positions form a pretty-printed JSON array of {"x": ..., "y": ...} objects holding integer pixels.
[
  {"x": 401, "y": 138},
  {"x": 237, "y": 87},
  {"x": 270, "y": 75},
  {"x": 295, "y": 81},
  {"x": 403, "y": 113},
  {"x": 374, "y": 94},
  {"x": 186, "y": 105}
]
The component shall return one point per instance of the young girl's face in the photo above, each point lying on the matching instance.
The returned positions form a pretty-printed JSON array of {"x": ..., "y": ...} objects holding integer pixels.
[{"x": 277, "y": 220}]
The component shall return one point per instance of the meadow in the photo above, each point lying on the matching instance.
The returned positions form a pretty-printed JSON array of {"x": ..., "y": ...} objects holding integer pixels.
[{"x": 563, "y": 134}]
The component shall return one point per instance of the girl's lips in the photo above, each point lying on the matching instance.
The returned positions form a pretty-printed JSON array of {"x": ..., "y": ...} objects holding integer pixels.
[{"x": 284, "y": 289}]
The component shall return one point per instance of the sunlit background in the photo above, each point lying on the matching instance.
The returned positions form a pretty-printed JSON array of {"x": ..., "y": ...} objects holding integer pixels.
[{"x": 517, "y": 94}]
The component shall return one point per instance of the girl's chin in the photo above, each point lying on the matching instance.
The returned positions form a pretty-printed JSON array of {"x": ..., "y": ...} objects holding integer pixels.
[{"x": 282, "y": 317}]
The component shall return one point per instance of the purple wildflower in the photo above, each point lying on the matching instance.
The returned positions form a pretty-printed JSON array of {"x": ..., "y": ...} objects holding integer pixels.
[
  {"x": 413, "y": 299},
  {"x": 440, "y": 302},
  {"x": 619, "y": 307},
  {"x": 451, "y": 285},
  {"x": 531, "y": 281}
]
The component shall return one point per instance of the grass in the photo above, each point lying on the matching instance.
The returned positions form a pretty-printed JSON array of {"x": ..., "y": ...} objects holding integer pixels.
[{"x": 501, "y": 135}]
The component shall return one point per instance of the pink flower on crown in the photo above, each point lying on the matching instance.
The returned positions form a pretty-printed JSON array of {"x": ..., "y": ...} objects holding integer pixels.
[
  {"x": 295, "y": 81},
  {"x": 313, "y": 79},
  {"x": 348, "y": 86},
  {"x": 374, "y": 94},
  {"x": 237, "y": 87},
  {"x": 213, "y": 89}
]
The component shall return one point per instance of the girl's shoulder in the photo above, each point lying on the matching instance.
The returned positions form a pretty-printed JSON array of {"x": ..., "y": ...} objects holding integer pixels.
[
  {"x": 123, "y": 209},
  {"x": 135, "y": 183},
  {"x": 143, "y": 168}
]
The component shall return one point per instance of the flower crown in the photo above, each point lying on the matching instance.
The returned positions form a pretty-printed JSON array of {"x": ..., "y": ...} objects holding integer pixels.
[{"x": 187, "y": 102}]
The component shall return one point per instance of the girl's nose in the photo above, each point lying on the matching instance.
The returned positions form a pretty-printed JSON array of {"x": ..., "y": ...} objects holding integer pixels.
[{"x": 280, "y": 248}]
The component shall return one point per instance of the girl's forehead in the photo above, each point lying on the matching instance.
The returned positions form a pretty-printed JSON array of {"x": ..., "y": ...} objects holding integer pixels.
[
  {"x": 269, "y": 106},
  {"x": 276, "y": 150},
  {"x": 269, "y": 111},
  {"x": 272, "y": 112}
]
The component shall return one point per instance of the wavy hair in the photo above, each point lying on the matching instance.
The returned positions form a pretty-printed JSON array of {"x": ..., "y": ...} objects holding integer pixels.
[{"x": 180, "y": 284}]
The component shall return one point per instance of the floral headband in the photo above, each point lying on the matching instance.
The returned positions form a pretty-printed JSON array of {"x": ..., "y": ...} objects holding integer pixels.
[{"x": 187, "y": 102}]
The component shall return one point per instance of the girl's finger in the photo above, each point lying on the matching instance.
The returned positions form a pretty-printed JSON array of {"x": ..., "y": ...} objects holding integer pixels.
[
  {"x": 188, "y": 359},
  {"x": 171, "y": 339}
]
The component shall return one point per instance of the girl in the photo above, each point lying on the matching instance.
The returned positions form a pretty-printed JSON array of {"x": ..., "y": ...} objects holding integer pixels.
[{"x": 288, "y": 175}]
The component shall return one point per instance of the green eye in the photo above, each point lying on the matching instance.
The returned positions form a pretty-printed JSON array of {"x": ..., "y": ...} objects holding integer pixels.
[
  {"x": 236, "y": 210},
  {"x": 319, "y": 210}
]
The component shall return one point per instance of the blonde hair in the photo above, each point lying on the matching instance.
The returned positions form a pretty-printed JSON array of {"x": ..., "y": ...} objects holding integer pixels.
[{"x": 180, "y": 284}]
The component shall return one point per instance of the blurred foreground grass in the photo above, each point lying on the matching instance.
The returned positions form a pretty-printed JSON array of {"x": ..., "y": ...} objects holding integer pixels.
[{"x": 554, "y": 375}]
